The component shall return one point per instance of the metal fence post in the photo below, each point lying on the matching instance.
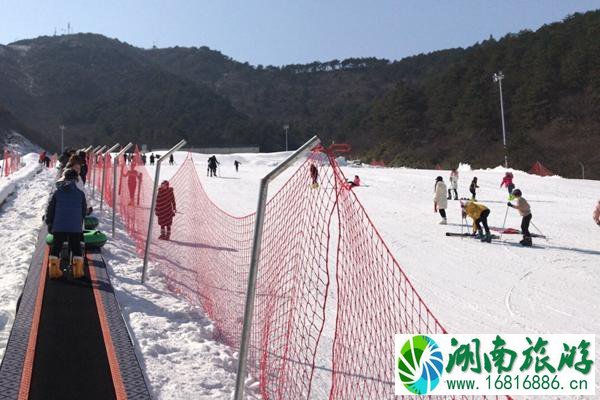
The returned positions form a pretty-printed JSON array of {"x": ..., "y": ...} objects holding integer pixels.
[
  {"x": 153, "y": 204},
  {"x": 253, "y": 272},
  {"x": 94, "y": 162},
  {"x": 104, "y": 172},
  {"x": 115, "y": 165}
]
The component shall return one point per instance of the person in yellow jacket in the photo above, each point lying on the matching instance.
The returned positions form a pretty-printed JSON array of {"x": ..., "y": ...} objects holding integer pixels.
[{"x": 479, "y": 214}]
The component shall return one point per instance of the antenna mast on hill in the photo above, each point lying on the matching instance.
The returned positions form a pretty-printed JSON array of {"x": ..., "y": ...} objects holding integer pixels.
[{"x": 68, "y": 28}]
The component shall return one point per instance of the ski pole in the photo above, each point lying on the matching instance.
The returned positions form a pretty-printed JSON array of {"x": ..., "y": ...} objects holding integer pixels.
[
  {"x": 504, "y": 223},
  {"x": 540, "y": 232}
]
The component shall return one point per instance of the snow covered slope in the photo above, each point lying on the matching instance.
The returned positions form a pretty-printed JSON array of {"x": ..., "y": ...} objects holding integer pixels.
[
  {"x": 25, "y": 194},
  {"x": 471, "y": 287}
]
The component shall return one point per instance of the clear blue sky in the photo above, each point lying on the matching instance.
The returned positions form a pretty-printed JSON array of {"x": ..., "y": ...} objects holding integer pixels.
[{"x": 286, "y": 31}]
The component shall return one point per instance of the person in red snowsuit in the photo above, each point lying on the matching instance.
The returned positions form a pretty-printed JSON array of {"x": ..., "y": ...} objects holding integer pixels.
[
  {"x": 132, "y": 184},
  {"x": 165, "y": 209},
  {"x": 508, "y": 182}
]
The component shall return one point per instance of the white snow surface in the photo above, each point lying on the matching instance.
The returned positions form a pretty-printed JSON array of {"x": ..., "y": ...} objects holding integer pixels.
[
  {"x": 23, "y": 195},
  {"x": 471, "y": 287}
]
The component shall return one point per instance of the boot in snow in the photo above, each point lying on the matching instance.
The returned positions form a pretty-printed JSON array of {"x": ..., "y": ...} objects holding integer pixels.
[
  {"x": 526, "y": 242},
  {"x": 54, "y": 270},
  {"x": 487, "y": 238},
  {"x": 479, "y": 235},
  {"x": 444, "y": 221},
  {"x": 78, "y": 267}
]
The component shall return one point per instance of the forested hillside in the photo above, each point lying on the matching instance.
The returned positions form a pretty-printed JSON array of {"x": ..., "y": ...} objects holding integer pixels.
[{"x": 437, "y": 108}]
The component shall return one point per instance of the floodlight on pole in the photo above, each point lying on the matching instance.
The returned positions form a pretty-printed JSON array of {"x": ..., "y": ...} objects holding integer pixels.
[
  {"x": 498, "y": 78},
  {"x": 286, "y": 128}
]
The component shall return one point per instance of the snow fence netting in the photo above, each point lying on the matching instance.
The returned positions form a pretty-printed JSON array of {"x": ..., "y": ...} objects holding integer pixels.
[{"x": 206, "y": 261}]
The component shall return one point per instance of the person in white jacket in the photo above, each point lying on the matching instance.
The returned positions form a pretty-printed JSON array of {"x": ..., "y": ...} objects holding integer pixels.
[
  {"x": 453, "y": 185},
  {"x": 440, "y": 202}
]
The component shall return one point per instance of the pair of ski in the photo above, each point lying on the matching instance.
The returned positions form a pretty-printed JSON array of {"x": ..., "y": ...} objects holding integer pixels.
[
  {"x": 494, "y": 237},
  {"x": 467, "y": 234}
]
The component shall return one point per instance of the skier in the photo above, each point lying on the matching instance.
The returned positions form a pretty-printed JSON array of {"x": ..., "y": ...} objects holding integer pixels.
[
  {"x": 165, "y": 209},
  {"x": 47, "y": 161},
  {"x": 314, "y": 175},
  {"x": 237, "y": 164},
  {"x": 473, "y": 189},
  {"x": 525, "y": 210},
  {"x": 440, "y": 202},
  {"x": 64, "y": 217},
  {"x": 508, "y": 182},
  {"x": 453, "y": 185},
  {"x": 144, "y": 159},
  {"x": 212, "y": 165},
  {"x": 355, "y": 182},
  {"x": 171, "y": 160},
  {"x": 479, "y": 214},
  {"x": 596, "y": 214},
  {"x": 152, "y": 159}
]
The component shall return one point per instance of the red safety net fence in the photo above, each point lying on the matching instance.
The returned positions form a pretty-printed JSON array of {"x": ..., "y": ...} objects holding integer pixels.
[
  {"x": 11, "y": 162},
  {"x": 321, "y": 260}
]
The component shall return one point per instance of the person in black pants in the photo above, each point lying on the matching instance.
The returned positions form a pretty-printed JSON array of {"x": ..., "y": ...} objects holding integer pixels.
[
  {"x": 525, "y": 211},
  {"x": 64, "y": 217}
]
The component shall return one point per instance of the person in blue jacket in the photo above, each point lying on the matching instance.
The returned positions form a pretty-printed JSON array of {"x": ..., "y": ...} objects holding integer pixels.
[{"x": 64, "y": 217}]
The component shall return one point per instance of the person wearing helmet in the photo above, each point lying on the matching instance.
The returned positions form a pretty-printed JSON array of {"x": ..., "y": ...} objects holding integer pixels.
[
  {"x": 525, "y": 211},
  {"x": 64, "y": 217},
  {"x": 479, "y": 213},
  {"x": 440, "y": 202}
]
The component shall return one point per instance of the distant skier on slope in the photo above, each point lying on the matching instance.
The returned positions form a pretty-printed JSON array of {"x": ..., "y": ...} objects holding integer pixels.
[
  {"x": 440, "y": 202},
  {"x": 165, "y": 209},
  {"x": 508, "y": 182},
  {"x": 473, "y": 189},
  {"x": 596, "y": 214},
  {"x": 479, "y": 214},
  {"x": 525, "y": 211},
  {"x": 212, "y": 165},
  {"x": 84, "y": 167},
  {"x": 453, "y": 185},
  {"x": 171, "y": 160},
  {"x": 237, "y": 164},
  {"x": 152, "y": 159},
  {"x": 314, "y": 175},
  {"x": 64, "y": 217}
]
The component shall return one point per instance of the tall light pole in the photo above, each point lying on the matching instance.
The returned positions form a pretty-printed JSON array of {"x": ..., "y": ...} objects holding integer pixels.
[
  {"x": 498, "y": 78},
  {"x": 62, "y": 138},
  {"x": 286, "y": 128}
]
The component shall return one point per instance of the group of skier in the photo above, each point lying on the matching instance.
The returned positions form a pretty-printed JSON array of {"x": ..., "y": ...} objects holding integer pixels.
[{"x": 478, "y": 212}]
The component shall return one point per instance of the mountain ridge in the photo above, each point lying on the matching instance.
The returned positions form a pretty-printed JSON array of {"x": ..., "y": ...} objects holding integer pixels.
[{"x": 436, "y": 108}]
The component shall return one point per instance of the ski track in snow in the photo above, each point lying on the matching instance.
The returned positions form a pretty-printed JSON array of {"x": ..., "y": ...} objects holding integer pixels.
[{"x": 20, "y": 222}]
